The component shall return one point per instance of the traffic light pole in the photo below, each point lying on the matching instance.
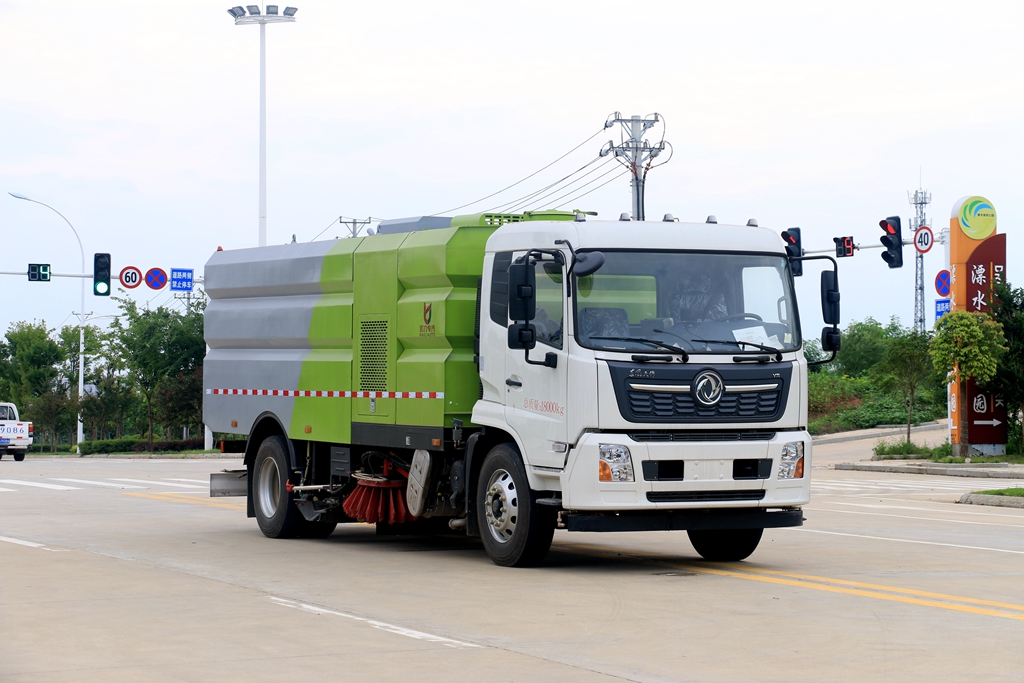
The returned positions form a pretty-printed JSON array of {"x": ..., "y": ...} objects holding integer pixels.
[{"x": 855, "y": 246}]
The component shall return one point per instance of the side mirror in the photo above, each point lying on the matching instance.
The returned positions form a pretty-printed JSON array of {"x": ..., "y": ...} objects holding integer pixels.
[
  {"x": 830, "y": 297},
  {"x": 522, "y": 288},
  {"x": 522, "y": 336},
  {"x": 831, "y": 339},
  {"x": 588, "y": 263}
]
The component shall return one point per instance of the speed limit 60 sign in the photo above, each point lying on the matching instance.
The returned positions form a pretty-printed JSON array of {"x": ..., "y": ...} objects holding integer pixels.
[
  {"x": 923, "y": 239},
  {"x": 131, "y": 277}
]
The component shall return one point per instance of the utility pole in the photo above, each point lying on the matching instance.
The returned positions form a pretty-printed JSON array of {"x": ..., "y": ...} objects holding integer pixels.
[
  {"x": 354, "y": 225},
  {"x": 635, "y": 153},
  {"x": 920, "y": 199}
]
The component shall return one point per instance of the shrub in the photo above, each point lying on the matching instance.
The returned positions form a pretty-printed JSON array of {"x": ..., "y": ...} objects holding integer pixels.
[
  {"x": 123, "y": 445},
  {"x": 175, "y": 446}
]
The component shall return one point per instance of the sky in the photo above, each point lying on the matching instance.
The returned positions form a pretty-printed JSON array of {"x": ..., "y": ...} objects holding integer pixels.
[{"x": 139, "y": 123}]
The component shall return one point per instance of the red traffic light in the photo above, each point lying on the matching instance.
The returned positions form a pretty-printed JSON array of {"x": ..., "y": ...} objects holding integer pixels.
[{"x": 887, "y": 226}]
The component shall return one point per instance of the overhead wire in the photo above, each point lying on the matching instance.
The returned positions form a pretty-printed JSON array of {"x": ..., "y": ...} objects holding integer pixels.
[
  {"x": 590, "y": 182},
  {"x": 536, "y": 203},
  {"x": 509, "y": 187},
  {"x": 613, "y": 178},
  {"x": 557, "y": 186}
]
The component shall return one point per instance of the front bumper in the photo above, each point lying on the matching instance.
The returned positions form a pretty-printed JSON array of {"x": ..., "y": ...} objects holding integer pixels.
[
  {"x": 679, "y": 520},
  {"x": 706, "y": 475}
]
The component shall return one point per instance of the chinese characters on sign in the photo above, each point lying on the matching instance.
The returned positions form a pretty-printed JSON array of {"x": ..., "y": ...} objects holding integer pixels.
[{"x": 181, "y": 279}]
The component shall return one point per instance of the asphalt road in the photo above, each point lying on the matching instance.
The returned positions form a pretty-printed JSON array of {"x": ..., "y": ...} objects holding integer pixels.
[{"x": 117, "y": 570}]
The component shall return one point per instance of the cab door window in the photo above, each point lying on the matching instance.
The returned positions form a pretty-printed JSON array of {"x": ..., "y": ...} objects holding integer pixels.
[{"x": 550, "y": 304}]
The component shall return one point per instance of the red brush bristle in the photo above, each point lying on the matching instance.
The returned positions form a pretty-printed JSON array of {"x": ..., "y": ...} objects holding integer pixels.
[{"x": 378, "y": 501}]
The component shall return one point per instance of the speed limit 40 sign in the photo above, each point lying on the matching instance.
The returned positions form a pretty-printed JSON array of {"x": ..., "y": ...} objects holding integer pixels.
[
  {"x": 131, "y": 277},
  {"x": 923, "y": 239}
]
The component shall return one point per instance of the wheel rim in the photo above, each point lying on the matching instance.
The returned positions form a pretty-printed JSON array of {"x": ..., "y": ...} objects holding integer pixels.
[
  {"x": 269, "y": 485},
  {"x": 501, "y": 506}
]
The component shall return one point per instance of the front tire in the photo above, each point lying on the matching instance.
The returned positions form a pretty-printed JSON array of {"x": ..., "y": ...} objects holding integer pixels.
[
  {"x": 276, "y": 513},
  {"x": 516, "y": 532},
  {"x": 725, "y": 545},
  {"x": 18, "y": 457}
]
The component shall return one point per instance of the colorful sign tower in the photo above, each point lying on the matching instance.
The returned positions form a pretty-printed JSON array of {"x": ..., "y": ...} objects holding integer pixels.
[{"x": 977, "y": 258}]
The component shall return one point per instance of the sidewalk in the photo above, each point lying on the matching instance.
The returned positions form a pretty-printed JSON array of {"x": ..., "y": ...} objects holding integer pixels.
[{"x": 880, "y": 433}]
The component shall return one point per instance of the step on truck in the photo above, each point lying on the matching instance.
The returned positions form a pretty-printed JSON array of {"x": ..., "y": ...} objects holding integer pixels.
[
  {"x": 15, "y": 435},
  {"x": 505, "y": 375}
]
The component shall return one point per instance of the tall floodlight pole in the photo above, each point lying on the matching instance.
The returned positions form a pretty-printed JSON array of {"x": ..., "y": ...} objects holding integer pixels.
[
  {"x": 920, "y": 199},
  {"x": 255, "y": 16},
  {"x": 81, "y": 313},
  {"x": 635, "y": 153}
]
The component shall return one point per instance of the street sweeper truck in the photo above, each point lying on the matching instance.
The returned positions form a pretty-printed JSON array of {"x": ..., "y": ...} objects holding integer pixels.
[{"x": 506, "y": 375}]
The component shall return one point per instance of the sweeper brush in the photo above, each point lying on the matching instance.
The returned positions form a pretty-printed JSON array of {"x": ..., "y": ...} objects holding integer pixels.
[{"x": 377, "y": 499}]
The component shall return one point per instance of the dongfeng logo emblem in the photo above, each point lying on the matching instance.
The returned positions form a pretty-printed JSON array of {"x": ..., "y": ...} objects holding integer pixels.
[{"x": 707, "y": 387}]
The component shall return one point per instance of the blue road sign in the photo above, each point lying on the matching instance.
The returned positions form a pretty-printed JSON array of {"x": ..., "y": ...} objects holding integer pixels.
[
  {"x": 942, "y": 283},
  {"x": 941, "y": 308},
  {"x": 181, "y": 279}
]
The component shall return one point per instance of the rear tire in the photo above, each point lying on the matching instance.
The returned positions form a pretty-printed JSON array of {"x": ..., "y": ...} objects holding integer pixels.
[
  {"x": 515, "y": 530},
  {"x": 275, "y": 508},
  {"x": 18, "y": 457},
  {"x": 725, "y": 545}
]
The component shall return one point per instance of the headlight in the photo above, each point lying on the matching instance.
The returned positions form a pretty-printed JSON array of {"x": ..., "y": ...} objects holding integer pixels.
[
  {"x": 791, "y": 466},
  {"x": 615, "y": 463}
]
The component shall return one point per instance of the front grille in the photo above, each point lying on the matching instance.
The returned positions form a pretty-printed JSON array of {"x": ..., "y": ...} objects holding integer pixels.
[
  {"x": 755, "y": 404},
  {"x": 696, "y": 435},
  {"x": 697, "y": 496}
]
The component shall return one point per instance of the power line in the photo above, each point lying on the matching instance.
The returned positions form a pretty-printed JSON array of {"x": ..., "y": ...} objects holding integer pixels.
[
  {"x": 515, "y": 205},
  {"x": 592, "y": 180},
  {"x": 494, "y": 194},
  {"x": 612, "y": 179}
]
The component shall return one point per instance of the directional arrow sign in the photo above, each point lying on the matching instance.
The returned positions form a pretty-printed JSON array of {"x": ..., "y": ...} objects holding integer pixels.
[{"x": 990, "y": 423}]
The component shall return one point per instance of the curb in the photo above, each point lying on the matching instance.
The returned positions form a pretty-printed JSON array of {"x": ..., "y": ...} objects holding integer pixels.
[
  {"x": 827, "y": 439},
  {"x": 999, "y": 501},
  {"x": 991, "y": 473}
]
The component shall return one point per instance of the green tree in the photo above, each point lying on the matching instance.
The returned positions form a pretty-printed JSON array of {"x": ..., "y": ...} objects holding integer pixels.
[
  {"x": 33, "y": 359},
  {"x": 1008, "y": 311},
  {"x": 156, "y": 345},
  {"x": 967, "y": 346},
  {"x": 905, "y": 367},
  {"x": 864, "y": 345}
]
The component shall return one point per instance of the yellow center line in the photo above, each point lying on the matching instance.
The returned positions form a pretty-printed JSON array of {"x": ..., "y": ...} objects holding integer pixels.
[
  {"x": 173, "y": 498},
  {"x": 805, "y": 581}
]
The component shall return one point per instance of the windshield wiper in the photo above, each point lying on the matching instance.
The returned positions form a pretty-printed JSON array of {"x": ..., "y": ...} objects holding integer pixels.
[
  {"x": 762, "y": 347},
  {"x": 665, "y": 345}
]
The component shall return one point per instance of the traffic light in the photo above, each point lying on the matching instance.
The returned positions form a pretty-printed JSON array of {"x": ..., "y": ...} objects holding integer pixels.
[
  {"x": 101, "y": 274},
  {"x": 892, "y": 240},
  {"x": 39, "y": 272},
  {"x": 844, "y": 246},
  {"x": 794, "y": 249}
]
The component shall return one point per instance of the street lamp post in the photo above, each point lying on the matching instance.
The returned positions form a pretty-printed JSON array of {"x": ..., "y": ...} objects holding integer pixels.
[
  {"x": 255, "y": 16},
  {"x": 81, "y": 313}
]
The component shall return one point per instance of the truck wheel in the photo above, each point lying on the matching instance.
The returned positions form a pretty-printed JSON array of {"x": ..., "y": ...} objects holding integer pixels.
[
  {"x": 516, "y": 531},
  {"x": 18, "y": 457},
  {"x": 275, "y": 511},
  {"x": 725, "y": 545}
]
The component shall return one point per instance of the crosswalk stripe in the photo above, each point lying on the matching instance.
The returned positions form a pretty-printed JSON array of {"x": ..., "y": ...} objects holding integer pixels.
[
  {"x": 98, "y": 483},
  {"x": 194, "y": 481},
  {"x": 56, "y": 487},
  {"x": 154, "y": 482}
]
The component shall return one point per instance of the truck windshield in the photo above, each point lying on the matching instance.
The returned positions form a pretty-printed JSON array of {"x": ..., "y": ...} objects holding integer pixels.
[{"x": 702, "y": 302}]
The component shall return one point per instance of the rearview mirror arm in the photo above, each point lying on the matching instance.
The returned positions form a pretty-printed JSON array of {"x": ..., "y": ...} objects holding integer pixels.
[{"x": 835, "y": 269}]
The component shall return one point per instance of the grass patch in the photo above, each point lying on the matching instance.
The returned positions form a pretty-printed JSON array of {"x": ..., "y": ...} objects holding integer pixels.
[
  {"x": 900, "y": 449},
  {"x": 1017, "y": 493}
]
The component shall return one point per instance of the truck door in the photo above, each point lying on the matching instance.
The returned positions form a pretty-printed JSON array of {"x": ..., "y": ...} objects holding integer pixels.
[{"x": 535, "y": 395}]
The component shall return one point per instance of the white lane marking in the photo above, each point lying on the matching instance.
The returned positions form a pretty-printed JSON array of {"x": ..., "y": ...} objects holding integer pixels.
[
  {"x": 907, "y": 540},
  {"x": 2, "y": 489},
  {"x": 927, "y": 519},
  {"x": 957, "y": 511},
  {"x": 30, "y": 544},
  {"x": 98, "y": 483},
  {"x": 195, "y": 481},
  {"x": 55, "y": 487},
  {"x": 153, "y": 482},
  {"x": 383, "y": 626}
]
